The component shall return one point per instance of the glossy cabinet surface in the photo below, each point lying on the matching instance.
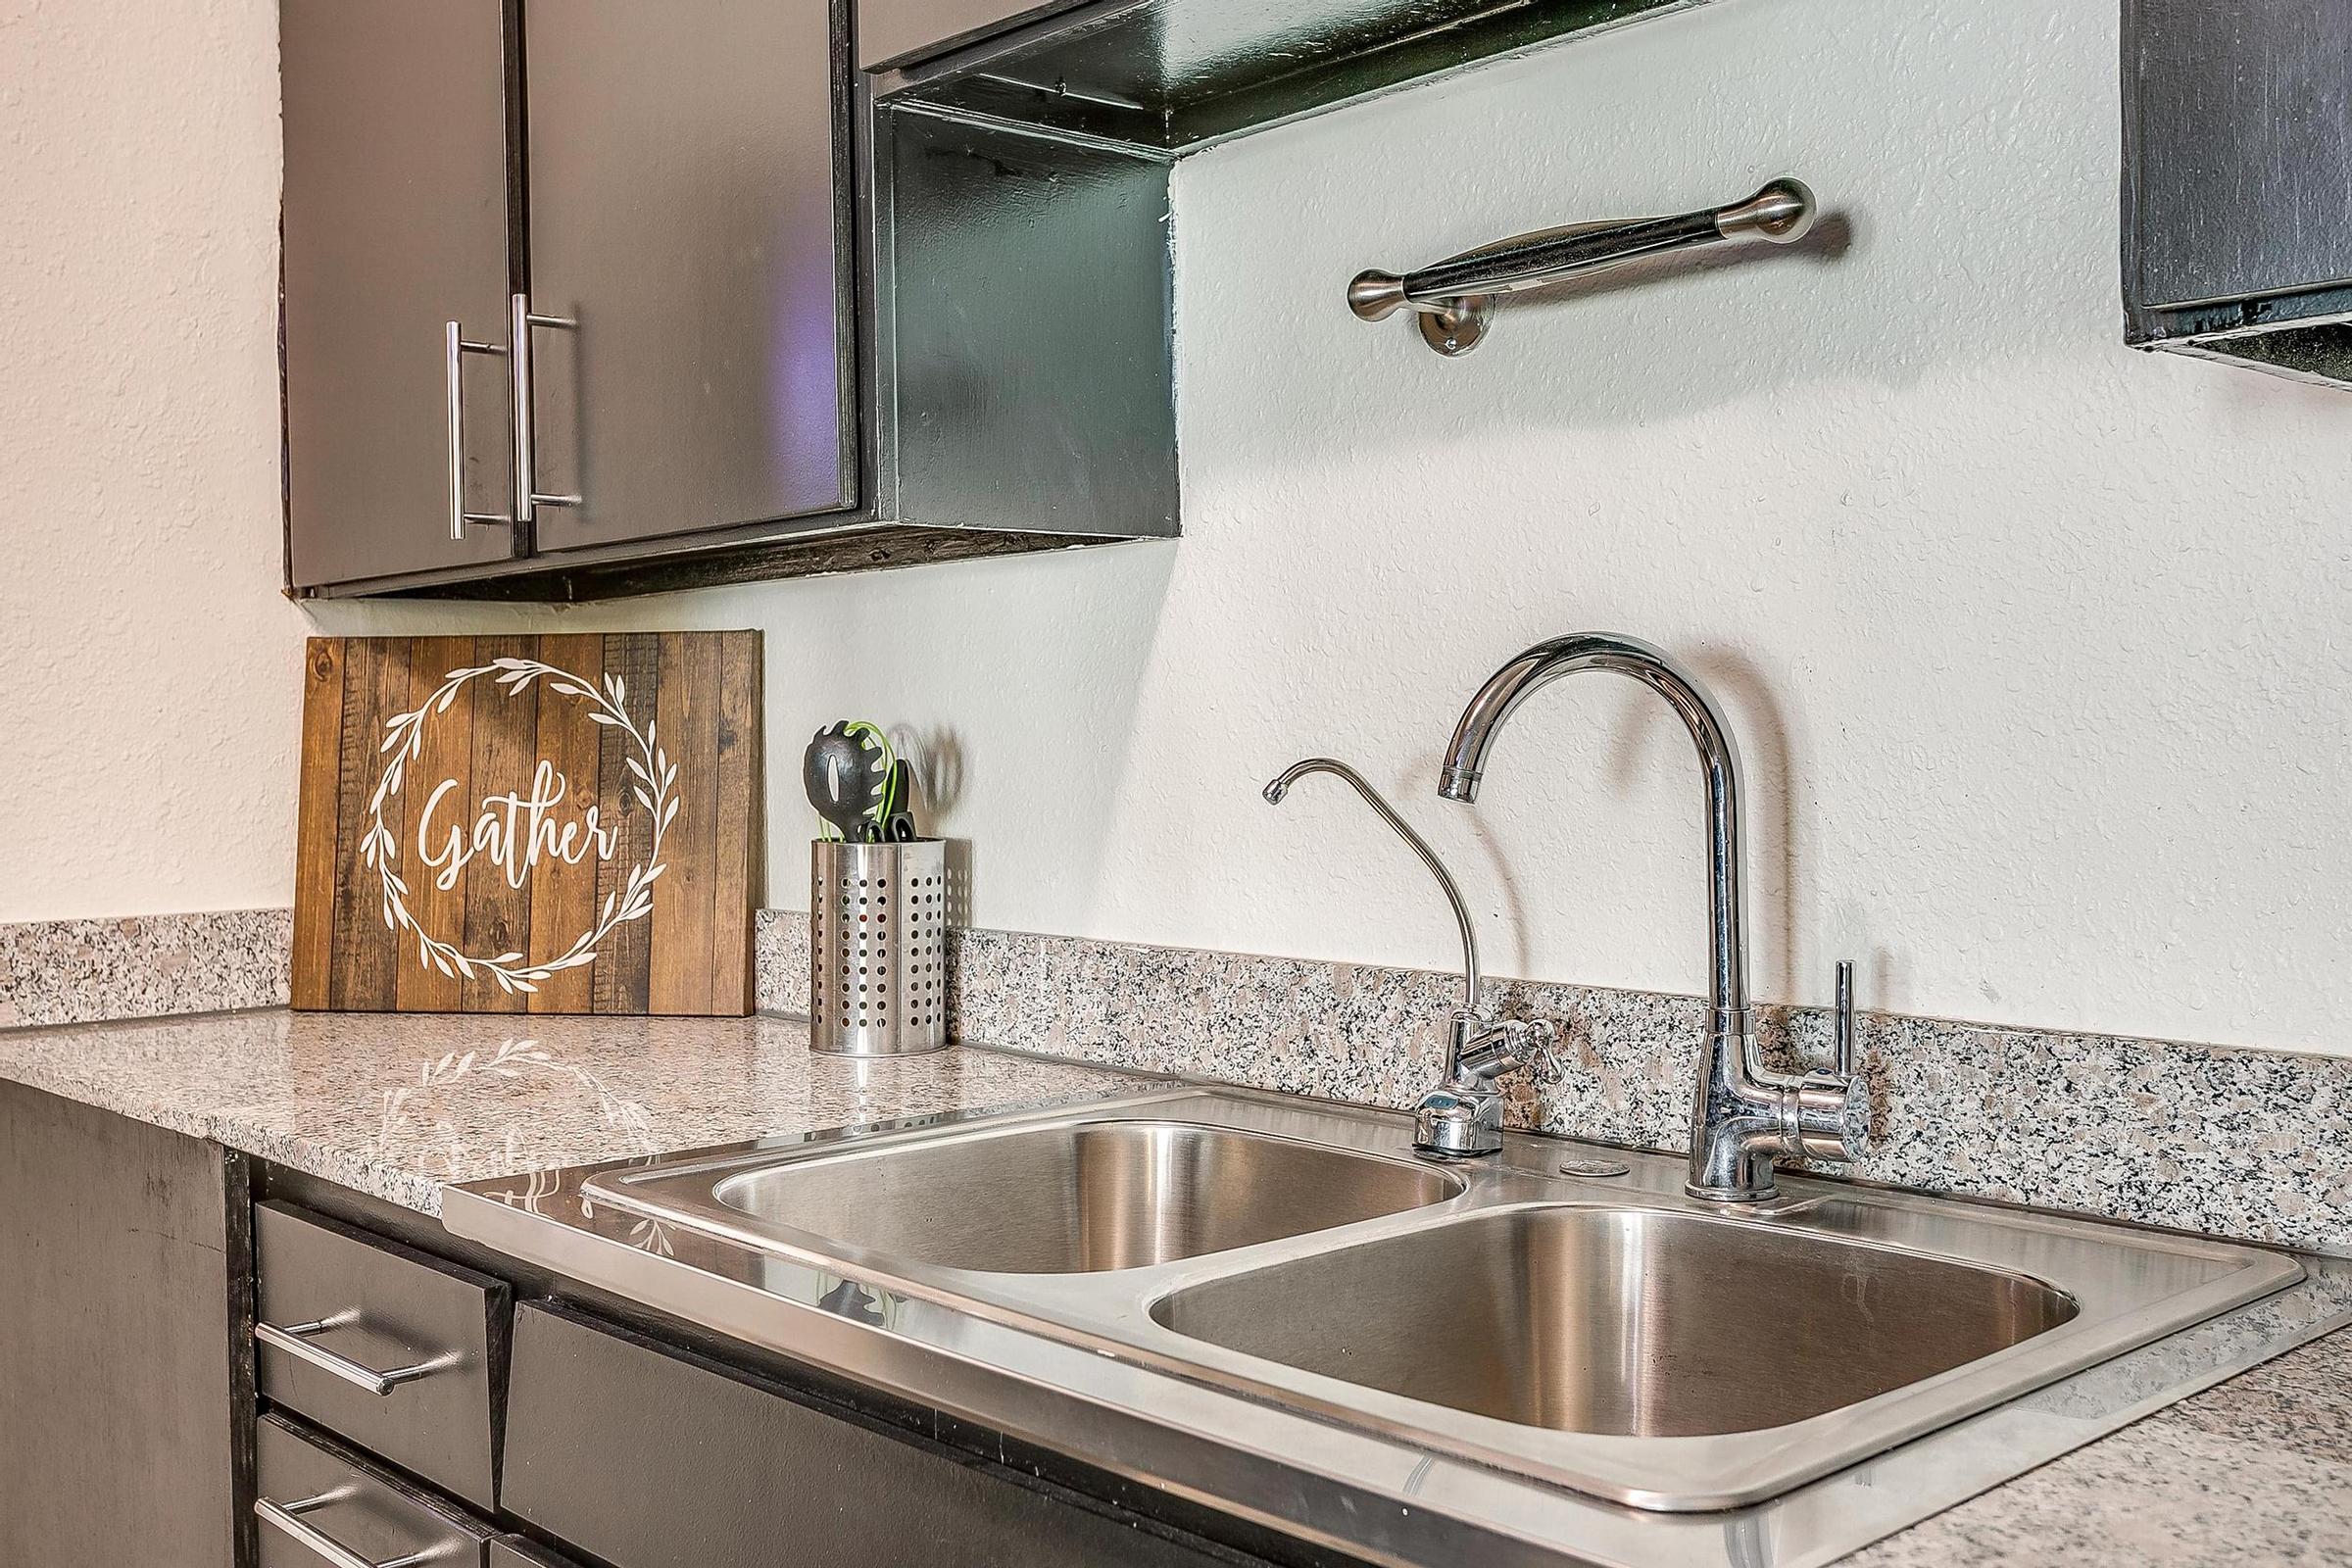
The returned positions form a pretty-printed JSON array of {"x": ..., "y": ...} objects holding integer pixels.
[
  {"x": 685, "y": 210},
  {"x": 394, "y": 1309},
  {"x": 668, "y": 182},
  {"x": 396, "y": 223},
  {"x": 724, "y": 1467},
  {"x": 354, "y": 1507}
]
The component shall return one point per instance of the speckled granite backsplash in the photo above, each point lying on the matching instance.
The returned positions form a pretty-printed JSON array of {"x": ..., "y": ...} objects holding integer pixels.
[
  {"x": 2237, "y": 1143},
  {"x": 77, "y": 971}
]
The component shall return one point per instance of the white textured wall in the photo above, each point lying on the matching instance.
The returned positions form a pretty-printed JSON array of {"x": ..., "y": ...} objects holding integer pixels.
[
  {"x": 146, "y": 658},
  {"x": 2036, "y": 645}
]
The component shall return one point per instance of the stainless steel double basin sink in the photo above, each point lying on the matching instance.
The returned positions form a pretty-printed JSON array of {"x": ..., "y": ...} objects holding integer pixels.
[{"x": 1601, "y": 1334}]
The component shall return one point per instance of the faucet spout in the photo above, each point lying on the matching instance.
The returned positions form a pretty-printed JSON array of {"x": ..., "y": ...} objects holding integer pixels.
[{"x": 1740, "y": 1116}]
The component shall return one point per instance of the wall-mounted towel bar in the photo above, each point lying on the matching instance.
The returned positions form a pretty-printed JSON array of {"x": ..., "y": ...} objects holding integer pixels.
[{"x": 1454, "y": 298}]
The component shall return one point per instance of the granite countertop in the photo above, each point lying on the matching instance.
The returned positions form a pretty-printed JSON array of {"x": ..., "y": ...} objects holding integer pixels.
[
  {"x": 2257, "y": 1470},
  {"x": 395, "y": 1105}
]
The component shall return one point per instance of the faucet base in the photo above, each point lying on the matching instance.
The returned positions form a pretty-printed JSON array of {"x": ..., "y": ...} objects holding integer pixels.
[{"x": 1457, "y": 1122}]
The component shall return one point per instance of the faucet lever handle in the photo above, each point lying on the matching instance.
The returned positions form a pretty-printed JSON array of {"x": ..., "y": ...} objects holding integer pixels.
[
  {"x": 1486, "y": 1048},
  {"x": 1832, "y": 1107},
  {"x": 1845, "y": 1060}
]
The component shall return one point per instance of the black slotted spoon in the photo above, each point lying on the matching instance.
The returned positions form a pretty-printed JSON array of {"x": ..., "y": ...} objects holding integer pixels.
[{"x": 846, "y": 772}]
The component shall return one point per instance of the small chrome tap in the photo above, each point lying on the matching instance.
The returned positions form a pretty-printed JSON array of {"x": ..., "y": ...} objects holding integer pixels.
[
  {"x": 1462, "y": 1114},
  {"x": 1742, "y": 1116}
]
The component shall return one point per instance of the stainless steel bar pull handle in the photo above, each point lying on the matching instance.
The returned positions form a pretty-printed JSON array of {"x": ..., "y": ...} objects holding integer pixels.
[
  {"x": 529, "y": 497},
  {"x": 1454, "y": 299},
  {"x": 295, "y": 1340},
  {"x": 287, "y": 1517},
  {"x": 454, "y": 347}
]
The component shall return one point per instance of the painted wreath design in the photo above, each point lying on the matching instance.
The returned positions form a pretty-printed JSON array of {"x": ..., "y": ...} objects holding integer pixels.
[{"x": 656, "y": 778}]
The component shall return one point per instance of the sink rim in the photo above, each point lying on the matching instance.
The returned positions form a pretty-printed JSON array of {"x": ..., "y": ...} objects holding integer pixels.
[
  {"x": 1108, "y": 1313},
  {"x": 703, "y": 1178},
  {"x": 1445, "y": 1184},
  {"x": 1507, "y": 1214}
]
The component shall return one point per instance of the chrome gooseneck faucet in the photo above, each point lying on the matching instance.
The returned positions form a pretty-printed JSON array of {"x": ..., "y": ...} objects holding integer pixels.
[
  {"x": 1742, "y": 1116},
  {"x": 1463, "y": 1115}
]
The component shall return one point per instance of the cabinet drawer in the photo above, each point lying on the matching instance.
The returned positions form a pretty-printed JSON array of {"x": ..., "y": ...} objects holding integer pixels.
[
  {"x": 401, "y": 1352},
  {"x": 512, "y": 1551},
  {"x": 364, "y": 1512},
  {"x": 723, "y": 1472}
]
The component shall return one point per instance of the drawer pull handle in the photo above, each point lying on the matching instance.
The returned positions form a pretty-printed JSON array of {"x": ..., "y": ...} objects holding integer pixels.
[
  {"x": 286, "y": 1516},
  {"x": 295, "y": 1341}
]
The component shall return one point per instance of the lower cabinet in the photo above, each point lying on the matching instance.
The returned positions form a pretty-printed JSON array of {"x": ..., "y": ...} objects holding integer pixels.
[
  {"x": 320, "y": 1502},
  {"x": 122, "y": 1385},
  {"x": 514, "y": 1551},
  {"x": 409, "y": 1410},
  {"x": 650, "y": 1457}
]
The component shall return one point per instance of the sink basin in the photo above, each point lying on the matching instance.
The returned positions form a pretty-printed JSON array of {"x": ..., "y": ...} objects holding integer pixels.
[
  {"x": 1079, "y": 1197},
  {"x": 1209, "y": 1272},
  {"x": 1627, "y": 1322}
]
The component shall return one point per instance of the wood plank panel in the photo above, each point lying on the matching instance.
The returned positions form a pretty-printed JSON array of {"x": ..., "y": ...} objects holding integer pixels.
[
  {"x": 498, "y": 903},
  {"x": 569, "y": 742},
  {"x": 679, "y": 978},
  {"x": 314, "y": 874},
  {"x": 738, "y": 853},
  {"x": 361, "y": 959},
  {"x": 439, "y": 795},
  {"x": 626, "y": 968},
  {"x": 527, "y": 767}
]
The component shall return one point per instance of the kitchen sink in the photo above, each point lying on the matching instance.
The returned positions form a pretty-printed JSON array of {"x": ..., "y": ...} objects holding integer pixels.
[
  {"x": 1271, "y": 1303},
  {"x": 1077, "y": 1198},
  {"x": 1624, "y": 1321}
]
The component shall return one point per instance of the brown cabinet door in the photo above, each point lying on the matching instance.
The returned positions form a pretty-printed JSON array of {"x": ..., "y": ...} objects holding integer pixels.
[
  {"x": 123, "y": 1393},
  {"x": 723, "y": 1468},
  {"x": 396, "y": 223},
  {"x": 688, "y": 213},
  {"x": 440, "y": 1329}
]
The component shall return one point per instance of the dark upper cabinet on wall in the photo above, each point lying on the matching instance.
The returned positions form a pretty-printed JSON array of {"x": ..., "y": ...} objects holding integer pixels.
[
  {"x": 687, "y": 212},
  {"x": 2237, "y": 164},
  {"x": 396, "y": 223},
  {"x": 668, "y": 351}
]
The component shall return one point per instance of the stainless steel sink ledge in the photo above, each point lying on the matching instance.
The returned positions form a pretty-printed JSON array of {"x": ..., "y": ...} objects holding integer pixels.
[{"x": 1267, "y": 1305}]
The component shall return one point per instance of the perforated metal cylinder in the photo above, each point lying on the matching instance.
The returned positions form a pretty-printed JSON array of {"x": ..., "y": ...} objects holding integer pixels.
[{"x": 877, "y": 948}]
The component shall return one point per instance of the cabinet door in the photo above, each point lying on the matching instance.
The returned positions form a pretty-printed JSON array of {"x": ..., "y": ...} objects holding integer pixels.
[
  {"x": 720, "y": 1468},
  {"x": 396, "y": 223},
  {"x": 687, "y": 212},
  {"x": 123, "y": 1398}
]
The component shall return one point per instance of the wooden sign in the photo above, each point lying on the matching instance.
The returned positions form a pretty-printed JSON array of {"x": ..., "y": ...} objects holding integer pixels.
[{"x": 528, "y": 824}]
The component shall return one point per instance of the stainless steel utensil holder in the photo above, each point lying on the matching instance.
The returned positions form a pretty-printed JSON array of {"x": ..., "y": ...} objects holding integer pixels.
[{"x": 877, "y": 948}]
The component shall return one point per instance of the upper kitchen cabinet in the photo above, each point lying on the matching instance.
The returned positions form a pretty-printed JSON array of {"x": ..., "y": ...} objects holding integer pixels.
[
  {"x": 2237, "y": 156},
  {"x": 560, "y": 280},
  {"x": 689, "y": 214},
  {"x": 396, "y": 224}
]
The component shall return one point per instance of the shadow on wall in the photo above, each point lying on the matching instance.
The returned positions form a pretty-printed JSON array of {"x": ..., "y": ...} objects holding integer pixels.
[{"x": 1010, "y": 684}]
